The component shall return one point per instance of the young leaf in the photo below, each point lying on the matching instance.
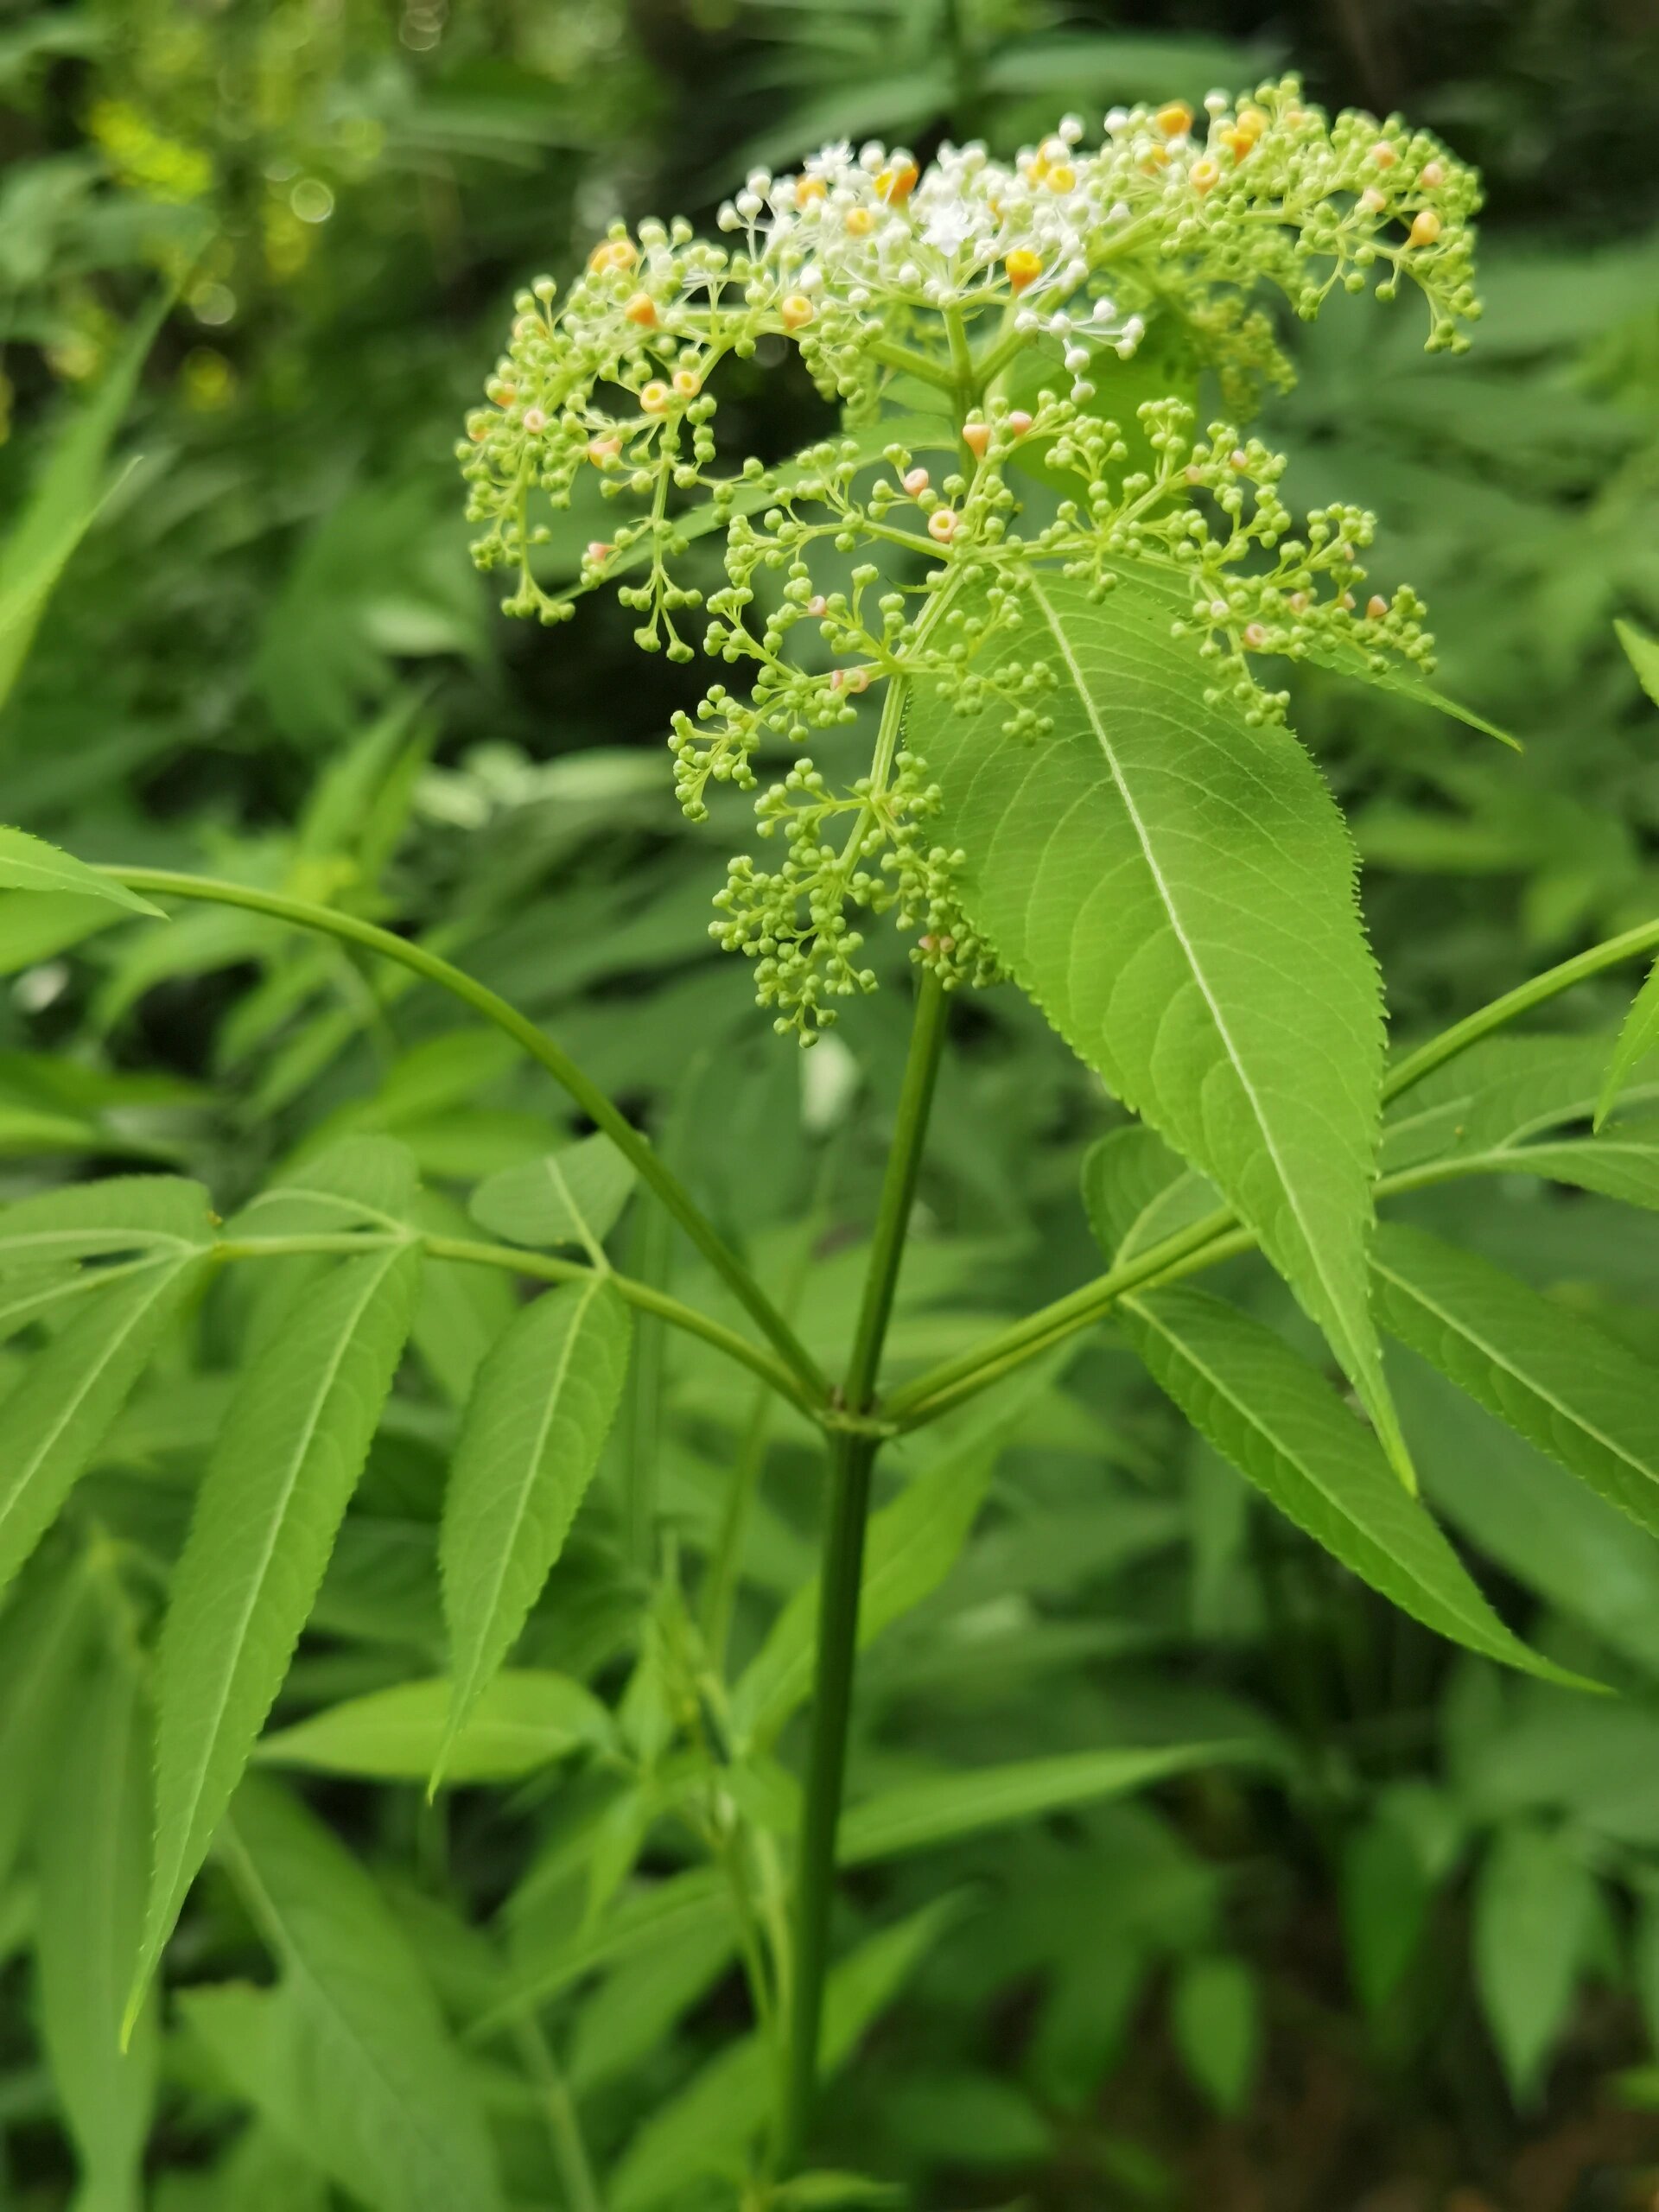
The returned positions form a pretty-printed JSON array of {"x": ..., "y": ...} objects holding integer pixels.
[
  {"x": 59, "y": 1414},
  {"x": 910, "y": 1548},
  {"x": 919, "y": 1814},
  {"x": 1176, "y": 891},
  {"x": 1566, "y": 1385},
  {"x": 1639, "y": 1037},
  {"x": 1284, "y": 1428},
  {"x": 1642, "y": 653},
  {"x": 703, "y": 2130},
  {"x": 521, "y": 1721},
  {"x": 386, "y": 2103},
  {"x": 572, "y": 1197},
  {"x": 1534, "y": 1906},
  {"x": 282, "y": 1472},
  {"x": 529, "y": 1441},
  {"x": 94, "y": 1858}
]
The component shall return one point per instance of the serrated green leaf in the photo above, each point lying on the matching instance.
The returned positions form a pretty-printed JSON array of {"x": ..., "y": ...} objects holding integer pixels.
[
  {"x": 523, "y": 1720},
  {"x": 1136, "y": 1192},
  {"x": 1264, "y": 1407},
  {"x": 529, "y": 1443},
  {"x": 1175, "y": 889},
  {"x": 30, "y": 864},
  {"x": 122, "y": 1213},
  {"x": 909, "y": 1549},
  {"x": 65, "y": 500},
  {"x": 1505, "y": 1092},
  {"x": 386, "y": 2104},
  {"x": 59, "y": 1414},
  {"x": 1534, "y": 1906},
  {"x": 1400, "y": 680},
  {"x": 362, "y": 1181},
  {"x": 35, "y": 926},
  {"x": 282, "y": 1472},
  {"x": 94, "y": 1861},
  {"x": 572, "y": 1197},
  {"x": 1566, "y": 1385},
  {"x": 1642, "y": 653},
  {"x": 1639, "y": 1037},
  {"x": 919, "y": 1814},
  {"x": 703, "y": 2130}
]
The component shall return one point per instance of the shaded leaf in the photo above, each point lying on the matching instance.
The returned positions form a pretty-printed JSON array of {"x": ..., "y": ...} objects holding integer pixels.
[
  {"x": 1533, "y": 1908},
  {"x": 30, "y": 864},
  {"x": 572, "y": 1197}
]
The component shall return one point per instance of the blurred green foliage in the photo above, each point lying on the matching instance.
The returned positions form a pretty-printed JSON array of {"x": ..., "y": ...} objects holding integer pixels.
[{"x": 1435, "y": 1940}]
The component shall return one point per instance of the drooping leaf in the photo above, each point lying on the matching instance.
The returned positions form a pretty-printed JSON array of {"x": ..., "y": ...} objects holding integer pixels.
[
  {"x": 704, "y": 2129},
  {"x": 70, "y": 490},
  {"x": 1533, "y": 1904},
  {"x": 387, "y": 2104},
  {"x": 1403, "y": 682},
  {"x": 121, "y": 1213},
  {"x": 36, "y": 926},
  {"x": 59, "y": 1414},
  {"x": 1283, "y": 1427},
  {"x": 1566, "y": 1385},
  {"x": 918, "y": 1814},
  {"x": 1502, "y": 1094},
  {"x": 282, "y": 1472},
  {"x": 1176, "y": 891},
  {"x": 572, "y": 1197},
  {"x": 94, "y": 1862},
  {"x": 523, "y": 1720},
  {"x": 529, "y": 1441}
]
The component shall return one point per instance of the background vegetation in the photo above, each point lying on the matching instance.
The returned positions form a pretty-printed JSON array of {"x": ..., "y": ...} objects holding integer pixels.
[{"x": 1418, "y": 1966}]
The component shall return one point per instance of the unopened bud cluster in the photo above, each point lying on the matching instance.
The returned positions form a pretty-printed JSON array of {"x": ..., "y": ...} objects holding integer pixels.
[{"x": 872, "y": 565}]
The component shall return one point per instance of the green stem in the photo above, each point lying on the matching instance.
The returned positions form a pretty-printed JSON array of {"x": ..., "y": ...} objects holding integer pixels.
[
  {"x": 1219, "y": 1236},
  {"x": 650, "y": 1166},
  {"x": 564, "y": 2125},
  {"x": 852, "y": 1459}
]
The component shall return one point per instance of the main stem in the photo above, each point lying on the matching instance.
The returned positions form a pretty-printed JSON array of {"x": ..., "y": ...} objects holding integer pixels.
[{"x": 852, "y": 1459}]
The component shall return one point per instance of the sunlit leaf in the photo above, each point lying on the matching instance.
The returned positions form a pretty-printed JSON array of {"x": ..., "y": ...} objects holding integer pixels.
[{"x": 523, "y": 1720}]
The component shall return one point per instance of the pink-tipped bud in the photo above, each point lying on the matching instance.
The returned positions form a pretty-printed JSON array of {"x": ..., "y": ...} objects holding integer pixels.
[
  {"x": 599, "y": 550},
  {"x": 943, "y": 525},
  {"x": 976, "y": 437},
  {"x": 535, "y": 420},
  {"x": 1372, "y": 200},
  {"x": 916, "y": 481},
  {"x": 1297, "y": 602},
  {"x": 1239, "y": 458},
  {"x": 817, "y": 604},
  {"x": 1433, "y": 173},
  {"x": 1377, "y": 606},
  {"x": 1019, "y": 422},
  {"x": 1256, "y": 635}
]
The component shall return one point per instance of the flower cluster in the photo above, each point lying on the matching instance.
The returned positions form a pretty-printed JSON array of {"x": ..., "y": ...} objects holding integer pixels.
[{"x": 930, "y": 304}]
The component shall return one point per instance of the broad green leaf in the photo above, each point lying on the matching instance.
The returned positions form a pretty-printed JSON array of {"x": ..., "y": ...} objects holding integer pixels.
[
  {"x": 58, "y": 1416},
  {"x": 542, "y": 1407},
  {"x": 1566, "y": 1385},
  {"x": 122, "y": 1213},
  {"x": 44, "y": 1633},
  {"x": 282, "y": 1472},
  {"x": 1503, "y": 1092},
  {"x": 681, "y": 1908},
  {"x": 521, "y": 1721},
  {"x": 572, "y": 1197},
  {"x": 361, "y": 1182},
  {"x": 1175, "y": 890},
  {"x": 703, "y": 2130},
  {"x": 1639, "y": 1037},
  {"x": 1534, "y": 1907},
  {"x": 1283, "y": 1427},
  {"x": 387, "y": 2105},
  {"x": 1623, "y": 1163},
  {"x": 909, "y": 1549},
  {"x": 30, "y": 864},
  {"x": 64, "y": 500},
  {"x": 919, "y": 1814},
  {"x": 1215, "y": 2018},
  {"x": 93, "y": 1857}
]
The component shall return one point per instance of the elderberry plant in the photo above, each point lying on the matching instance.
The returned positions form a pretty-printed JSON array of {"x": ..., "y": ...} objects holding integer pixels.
[
  {"x": 1079, "y": 782},
  {"x": 1015, "y": 295}
]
